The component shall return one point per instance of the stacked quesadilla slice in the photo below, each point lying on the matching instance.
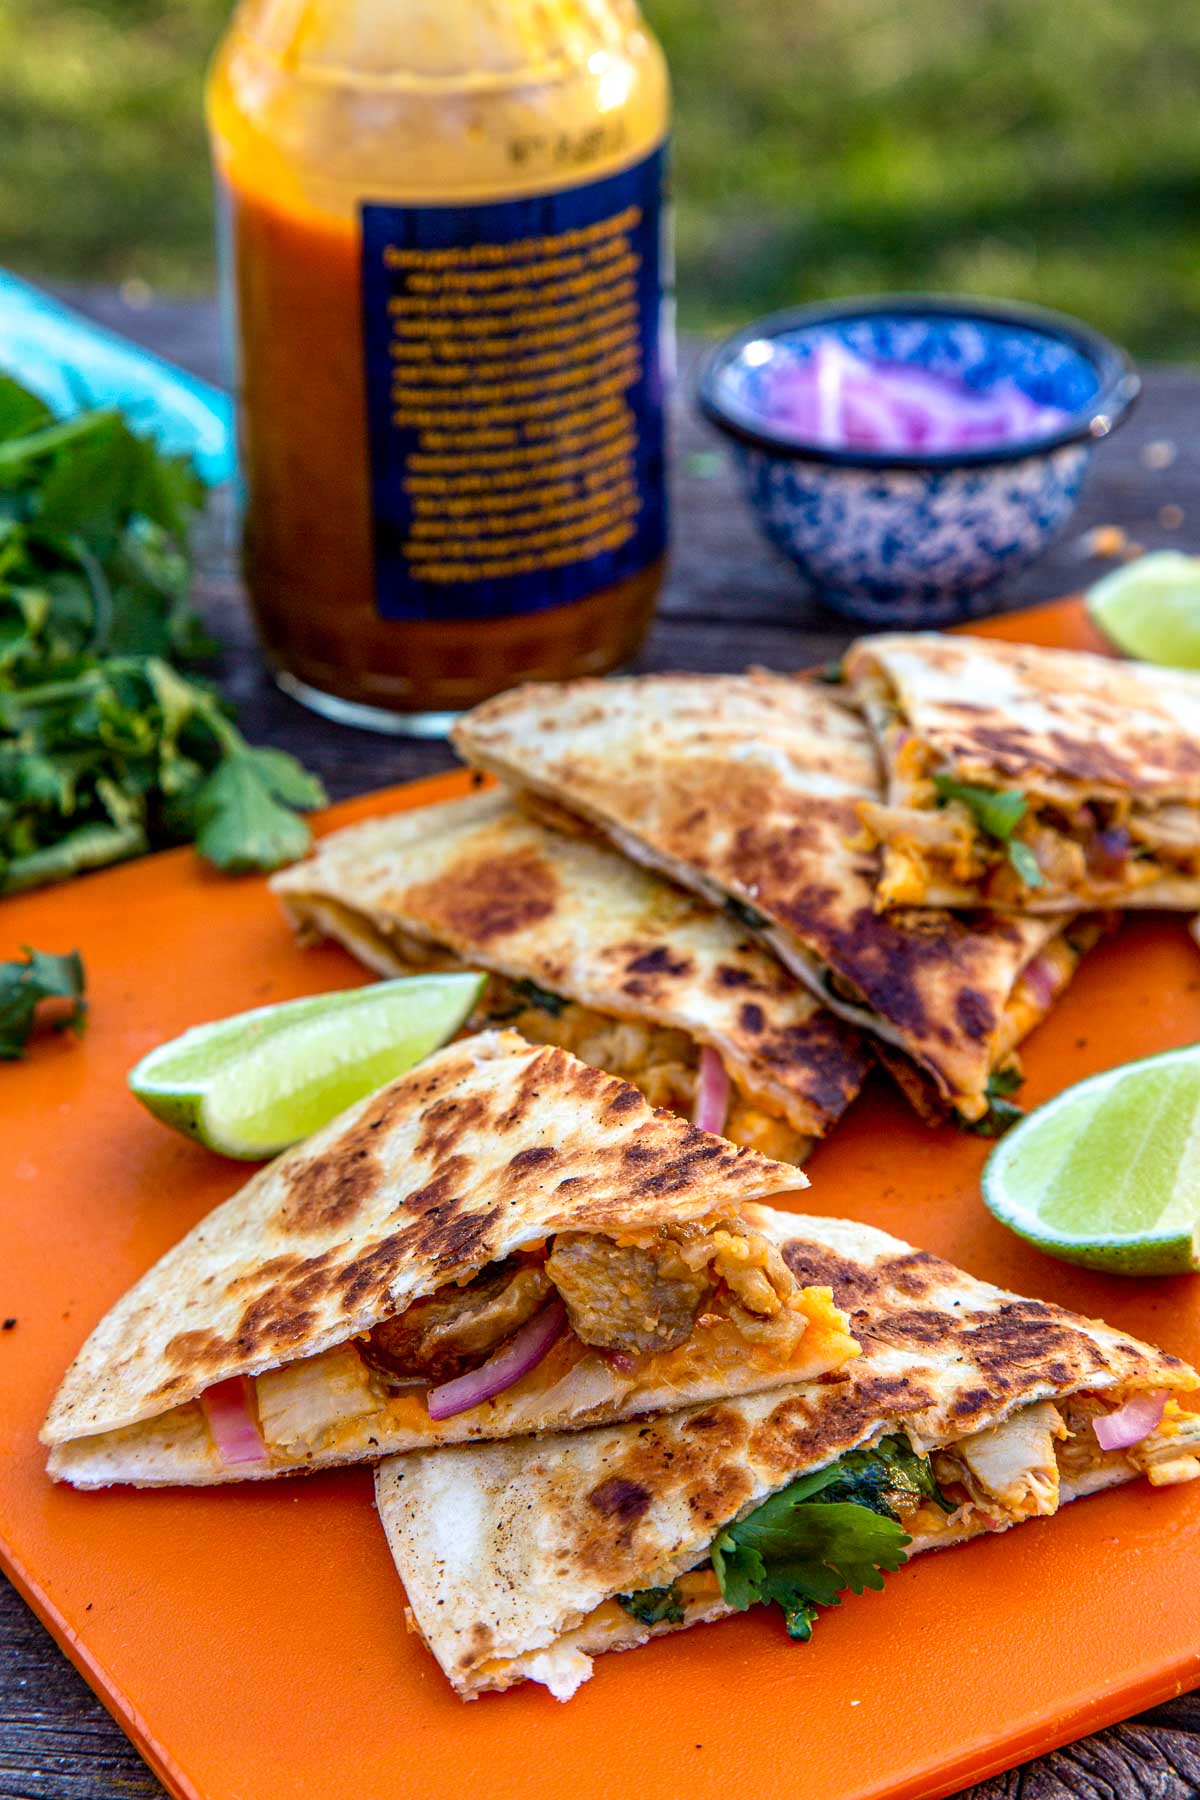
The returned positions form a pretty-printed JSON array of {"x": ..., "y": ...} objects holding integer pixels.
[
  {"x": 970, "y": 1410},
  {"x": 1030, "y": 779},
  {"x": 504, "y": 1240},
  {"x": 593, "y": 953},
  {"x": 748, "y": 790}
]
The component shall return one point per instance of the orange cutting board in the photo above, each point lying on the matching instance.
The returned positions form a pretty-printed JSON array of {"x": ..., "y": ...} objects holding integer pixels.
[{"x": 251, "y": 1640}]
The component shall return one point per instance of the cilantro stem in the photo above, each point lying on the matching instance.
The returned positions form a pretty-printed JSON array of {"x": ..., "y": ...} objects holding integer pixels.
[
  {"x": 51, "y": 438},
  {"x": 88, "y": 847}
]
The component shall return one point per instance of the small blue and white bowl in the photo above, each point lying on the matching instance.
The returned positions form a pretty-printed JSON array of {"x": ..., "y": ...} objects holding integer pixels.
[{"x": 910, "y": 539}]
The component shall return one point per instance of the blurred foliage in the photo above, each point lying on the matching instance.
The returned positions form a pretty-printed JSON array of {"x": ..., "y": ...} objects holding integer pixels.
[{"x": 1044, "y": 150}]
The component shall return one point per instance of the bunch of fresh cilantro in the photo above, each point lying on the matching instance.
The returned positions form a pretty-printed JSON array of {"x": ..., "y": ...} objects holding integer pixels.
[
  {"x": 838, "y": 1528},
  {"x": 109, "y": 744}
]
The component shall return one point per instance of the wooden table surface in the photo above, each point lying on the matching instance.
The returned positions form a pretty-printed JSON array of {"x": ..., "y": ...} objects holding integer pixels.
[{"x": 730, "y": 601}]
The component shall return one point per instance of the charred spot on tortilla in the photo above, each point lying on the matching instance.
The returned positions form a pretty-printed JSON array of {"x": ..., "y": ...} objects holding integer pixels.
[
  {"x": 328, "y": 1193},
  {"x": 815, "y": 1265},
  {"x": 491, "y": 897},
  {"x": 918, "y": 1326},
  {"x": 918, "y": 1273},
  {"x": 446, "y": 1122},
  {"x": 1023, "y": 1335},
  {"x": 626, "y": 1099},
  {"x": 620, "y": 1499},
  {"x": 535, "y": 1159},
  {"x": 975, "y": 1013},
  {"x": 271, "y": 1270},
  {"x": 659, "y": 961},
  {"x": 193, "y": 1349},
  {"x": 833, "y": 1070}
]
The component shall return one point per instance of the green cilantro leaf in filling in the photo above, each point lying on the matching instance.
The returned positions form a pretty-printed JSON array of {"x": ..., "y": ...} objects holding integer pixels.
[
  {"x": 998, "y": 812},
  {"x": 1002, "y": 1113},
  {"x": 654, "y": 1606},
  {"x": 837, "y": 1528}
]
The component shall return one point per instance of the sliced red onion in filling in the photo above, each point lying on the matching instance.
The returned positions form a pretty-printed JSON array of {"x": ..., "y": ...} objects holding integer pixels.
[
  {"x": 1043, "y": 978},
  {"x": 504, "y": 1367},
  {"x": 1130, "y": 1423},
  {"x": 226, "y": 1408},
  {"x": 712, "y": 1097}
]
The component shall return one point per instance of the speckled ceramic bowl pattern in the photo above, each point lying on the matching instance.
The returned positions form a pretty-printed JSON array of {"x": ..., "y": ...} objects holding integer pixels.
[{"x": 914, "y": 540}]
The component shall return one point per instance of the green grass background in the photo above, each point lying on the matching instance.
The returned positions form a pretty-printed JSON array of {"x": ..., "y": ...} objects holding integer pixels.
[{"x": 1044, "y": 149}]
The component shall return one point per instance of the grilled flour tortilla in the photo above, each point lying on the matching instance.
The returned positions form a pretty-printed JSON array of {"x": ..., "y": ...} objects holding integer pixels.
[
  {"x": 590, "y": 952},
  {"x": 1043, "y": 780},
  {"x": 747, "y": 788},
  {"x": 503, "y": 1211},
  {"x": 969, "y": 1410}
]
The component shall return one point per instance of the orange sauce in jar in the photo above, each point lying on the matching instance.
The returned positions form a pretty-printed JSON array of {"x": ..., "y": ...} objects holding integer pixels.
[{"x": 441, "y": 245}]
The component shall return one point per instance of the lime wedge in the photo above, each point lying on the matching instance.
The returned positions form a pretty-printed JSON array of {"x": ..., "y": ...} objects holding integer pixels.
[
  {"x": 1151, "y": 608},
  {"x": 253, "y": 1084},
  {"x": 1107, "y": 1174}
]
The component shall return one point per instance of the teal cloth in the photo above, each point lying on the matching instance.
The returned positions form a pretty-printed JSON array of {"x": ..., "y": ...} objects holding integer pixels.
[{"x": 74, "y": 364}]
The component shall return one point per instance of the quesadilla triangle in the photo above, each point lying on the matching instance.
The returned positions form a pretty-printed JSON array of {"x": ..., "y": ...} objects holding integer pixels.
[
  {"x": 746, "y": 789},
  {"x": 969, "y": 1410},
  {"x": 590, "y": 952},
  {"x": 503, "y": 1240},
  {"x": 1036, "y": 780}
]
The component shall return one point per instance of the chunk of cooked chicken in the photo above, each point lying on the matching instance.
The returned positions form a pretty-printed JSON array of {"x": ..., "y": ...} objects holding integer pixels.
[
  {"x": 302, "y": 1402},
  {"x": 1171, "y": 1454},
  {"x": 648, "y": 1295},
  {"x": 456, "y": 1328},
  {"x": 620, "y": 1297},
  {"x": 1015, "y": 1464}
]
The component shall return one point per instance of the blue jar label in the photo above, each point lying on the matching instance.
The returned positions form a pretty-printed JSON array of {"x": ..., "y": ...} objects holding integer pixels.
[{"x": 515, "y": 397}]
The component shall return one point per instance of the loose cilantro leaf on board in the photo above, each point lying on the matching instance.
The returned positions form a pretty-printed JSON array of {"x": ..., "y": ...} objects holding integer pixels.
[
  {"x": 825, "y": 1532},
  {"x": 998, "y": 811},
  {"x": 654, "y": 1606},
  {"x": 109, "y": 743},
  {"x": 24, "y": 985}
]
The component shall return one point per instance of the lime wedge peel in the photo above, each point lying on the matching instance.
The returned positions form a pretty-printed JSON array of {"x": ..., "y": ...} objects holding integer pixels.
[
  {"x": 1107, "y": 1174},
  {"x": 250, "y": 1085},
  {"x": 1150, "y": 609}
]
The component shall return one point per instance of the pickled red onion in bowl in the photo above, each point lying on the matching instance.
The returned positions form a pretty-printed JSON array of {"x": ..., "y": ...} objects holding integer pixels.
[{"x": 839, "y": 400}]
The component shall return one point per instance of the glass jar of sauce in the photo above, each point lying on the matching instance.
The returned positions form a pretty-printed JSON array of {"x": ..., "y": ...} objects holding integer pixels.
[{"x": 443, "y": 270}]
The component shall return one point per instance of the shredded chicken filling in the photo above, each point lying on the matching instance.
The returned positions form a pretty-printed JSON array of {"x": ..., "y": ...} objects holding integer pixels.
[
  {"x": 1014, "y": 1471},
  {"x": 660, "y": 1060},
  {"x": 1097, "y": 848}
]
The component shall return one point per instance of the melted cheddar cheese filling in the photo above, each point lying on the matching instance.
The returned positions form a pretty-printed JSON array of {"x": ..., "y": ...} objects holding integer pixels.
[{"x": 335, "y": 1406}]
